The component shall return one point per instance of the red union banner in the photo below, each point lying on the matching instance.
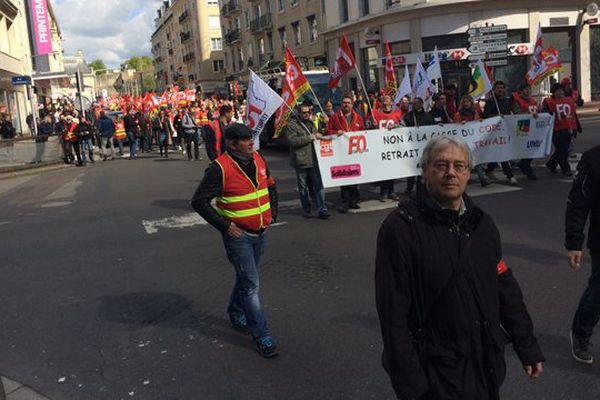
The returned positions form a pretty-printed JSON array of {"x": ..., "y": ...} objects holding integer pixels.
[{"x": 41, "y": 26}]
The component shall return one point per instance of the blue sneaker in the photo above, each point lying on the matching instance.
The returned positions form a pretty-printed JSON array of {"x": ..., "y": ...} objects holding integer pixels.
[
  {"x": 267, "y": 347},
  {"x": 239, "y": 323}
]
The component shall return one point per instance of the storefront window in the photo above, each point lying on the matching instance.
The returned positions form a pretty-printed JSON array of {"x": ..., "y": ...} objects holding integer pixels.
[
  {"x": 369, "y": 63},
  {"x": 595, "y": 55},
  {"x": 445, "y": 42}
]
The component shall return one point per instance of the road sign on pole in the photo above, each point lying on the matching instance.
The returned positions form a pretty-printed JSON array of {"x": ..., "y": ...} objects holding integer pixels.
[
  {"x": 488, "y": 38},
  {"x": 21, "y": 80},
  {"x": 488, "y": 46},
  {"x": 487, "y": 29}
]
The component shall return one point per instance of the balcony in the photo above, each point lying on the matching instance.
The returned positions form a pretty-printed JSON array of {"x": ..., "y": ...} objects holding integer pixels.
[
  {"x": 233, "y": 36},
  {"x": 264, "y": 22},
  {"x": 185, "y": 36},
  {"x": 263, "y": 58},
  {"x": 184, "y": 16},
  {"x": 189, "y": 57},
  {"x": 230, "y": 7}
]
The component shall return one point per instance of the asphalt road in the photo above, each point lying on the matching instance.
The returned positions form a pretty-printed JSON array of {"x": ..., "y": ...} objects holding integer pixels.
[{"x": 111, "y": 289}]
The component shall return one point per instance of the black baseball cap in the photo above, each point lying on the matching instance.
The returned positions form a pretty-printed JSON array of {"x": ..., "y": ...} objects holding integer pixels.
[{"x": 238, "y": 131}]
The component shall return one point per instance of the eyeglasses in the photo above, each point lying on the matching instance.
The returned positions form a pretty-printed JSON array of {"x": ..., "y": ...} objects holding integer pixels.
[{"x": 444, "y": 166}]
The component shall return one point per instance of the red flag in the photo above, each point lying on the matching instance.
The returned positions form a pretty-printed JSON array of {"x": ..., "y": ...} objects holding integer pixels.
[
  {"x": 344, "y": 62},
  {"x": 548, "y": 64},
  {"x": 294, "y": 86},
  {"x": 390, "y": 77}
]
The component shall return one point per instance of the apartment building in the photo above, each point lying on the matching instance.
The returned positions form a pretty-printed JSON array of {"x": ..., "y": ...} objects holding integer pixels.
[
  {"x": 15, "y": 60},
  {"x": 415, "y": 27},
  {"x": 187, "y": 46},
  {"x": 255, "y": 34}
]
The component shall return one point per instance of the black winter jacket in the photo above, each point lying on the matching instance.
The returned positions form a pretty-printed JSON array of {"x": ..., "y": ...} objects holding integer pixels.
[
  {"x": 451, "y": 347},
  {"x": 421, "y": 118},
  {"x": 584, "y": 200}
]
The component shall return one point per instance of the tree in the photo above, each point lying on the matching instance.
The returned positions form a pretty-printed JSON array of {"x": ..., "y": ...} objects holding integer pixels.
[
  {"x": 149, "y": 82},
  {"x": 98, "y": 65},
  {"x": 140, "y": 64}
]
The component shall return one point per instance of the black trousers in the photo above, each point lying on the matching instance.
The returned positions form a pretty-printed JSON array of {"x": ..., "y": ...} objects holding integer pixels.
[
  {"x": 561, "y": 141},
  {"x": 191, "y": 138},
  {"x": 350, "y": 194},
  {"x": 505, "y": 168},
  {"x": 76, "y": 147},
  {"x": 588, "y": 311},
  {"x": 386, "y": 188}
]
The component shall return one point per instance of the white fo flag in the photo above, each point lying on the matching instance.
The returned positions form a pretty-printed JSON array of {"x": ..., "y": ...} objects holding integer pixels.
[
  {"x": 262, "y": 102},
  {"x": 404, "y": 89},
  {"x": 434, "y": 69},
  {"x": 422, "y": 85}
]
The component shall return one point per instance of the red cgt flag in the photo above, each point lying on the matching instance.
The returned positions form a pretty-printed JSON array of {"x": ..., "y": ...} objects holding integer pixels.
[
  {"x": 390, "y": 77},
  {"x": 344, "y": 62}
]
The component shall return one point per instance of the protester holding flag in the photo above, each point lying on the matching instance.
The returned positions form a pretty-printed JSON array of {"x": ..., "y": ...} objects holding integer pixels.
[
  {"x": 300, "y": 135},
  {"x": 346, "y": 120},
  {"x": 565, "y": 125},
  {"x": 523, "y": 103}
]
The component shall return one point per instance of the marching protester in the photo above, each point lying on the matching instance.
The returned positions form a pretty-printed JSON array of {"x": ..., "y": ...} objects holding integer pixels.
[
  {"x": 45, "y": 129},
  {"x": 321, "y": 119},
  {"x": 246, "y": 204},
  {"x": 523, "y": 103},
  {"x": 439, "y": 111},
  {"x": 85, "y": 134},
  {"x": 106, "y": 127},
  {"x": 190, "y": 131},
  {"x": 565, "y": 125},
  {"x": 583, "y": 205},
  {"x": 132, "y": 127},
  {"x": 499, "y": 104},
  {"x": 570, "y": 92},
  {"x": 120, "y": 134},
  {"x": 72, "y": 140},
  {"x": 8, "y": 132},
  {"x": 214, "y": 139},
  {"x": 346, "y": 120},
  {"x": 415, "y": 118},
  {"x": 447, "y": 301},
  {"x": 451, "y": 98},
  {"x": 300, "y": 135},
  {"x": 386, "y": 118},
  {"x": 164, "y": 131}
]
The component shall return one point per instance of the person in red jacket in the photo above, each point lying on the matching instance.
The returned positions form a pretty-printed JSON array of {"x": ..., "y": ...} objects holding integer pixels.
[
  {"x": 565, "y": 125},
  {"x": 346, "y": 120},
  {"x": 521, "y": 102}
]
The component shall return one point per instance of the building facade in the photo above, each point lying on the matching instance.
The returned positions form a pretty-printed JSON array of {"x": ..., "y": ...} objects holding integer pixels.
[
  {"x": 187, "y": 46},
  {"x": 15, "y": 60},
  {"x": 256, "y": 32},
  {"x": 414, "y": 27}
]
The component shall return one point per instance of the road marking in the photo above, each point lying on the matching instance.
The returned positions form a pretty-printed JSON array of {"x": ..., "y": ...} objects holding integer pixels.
[
  {"x": 68, "y": 190},
  {"x": 5, "y": 222},
  {"x": 179, "y": 222},
  {"x": 54, "y": 204},
  {"x": 8, "y": 184}
]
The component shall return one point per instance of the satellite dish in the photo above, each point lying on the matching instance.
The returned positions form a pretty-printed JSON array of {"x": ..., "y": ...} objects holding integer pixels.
[{"x": 592, "y": 9}]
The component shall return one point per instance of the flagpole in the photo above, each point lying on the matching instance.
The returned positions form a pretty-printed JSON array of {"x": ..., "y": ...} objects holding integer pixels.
[
  {"x": 316, "y": 99},
  {"x": 364, "y": 88}
]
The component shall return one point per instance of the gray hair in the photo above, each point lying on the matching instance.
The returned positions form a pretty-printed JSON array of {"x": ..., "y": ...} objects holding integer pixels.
[{"x": 441, "y": 142}]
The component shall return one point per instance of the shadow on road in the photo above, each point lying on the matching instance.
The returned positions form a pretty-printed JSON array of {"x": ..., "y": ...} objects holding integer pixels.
[
  {"x": 174, "y": 204},
  {"x": 166, "y": 310}
]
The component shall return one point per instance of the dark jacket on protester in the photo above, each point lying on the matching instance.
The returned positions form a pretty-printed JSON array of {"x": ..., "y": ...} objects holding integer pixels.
[
  {"x": 7, "y": 130},
  {"x": 84, "y": 130},
  {"x": 45, "y": 129},
  {"x": 132, "y": 124},
  {"x": 302, "y": 151},
  {"x": 210, "y": 139},
  {"x": 421, "y": 118},
  {"x": 106, "y": 126},
  {"x": 452, "y": 347},
  {"x": 491, "y": 110},
  {"x": 440, "y": 115},
  {"x": 212, "y": 185},
  {"x": 584, "y": 201}
]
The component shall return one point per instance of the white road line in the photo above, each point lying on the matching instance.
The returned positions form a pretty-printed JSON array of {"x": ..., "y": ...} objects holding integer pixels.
[
  {"x": 180, "y": 222},
  {"x": 5, "y": 222},
  {"x": 12, "y": 183},
  {"x": 68, "y": 190}
]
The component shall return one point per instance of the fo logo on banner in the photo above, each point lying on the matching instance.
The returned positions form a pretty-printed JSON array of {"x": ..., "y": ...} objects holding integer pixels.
[
  {"x": 357, "y": 144},
  {"x": 326, "y": 148}
]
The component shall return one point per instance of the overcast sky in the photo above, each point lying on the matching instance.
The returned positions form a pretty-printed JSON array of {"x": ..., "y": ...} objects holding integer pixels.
[{"x": 112, "y": 30}]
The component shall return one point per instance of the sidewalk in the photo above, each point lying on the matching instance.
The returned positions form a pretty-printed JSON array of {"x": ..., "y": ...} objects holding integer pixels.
[
  {"x": 13, "y": 390},
  {"x": 589, "y": 109}
]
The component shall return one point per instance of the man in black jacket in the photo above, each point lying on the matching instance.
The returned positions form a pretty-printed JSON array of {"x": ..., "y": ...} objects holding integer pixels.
[
  {"x": 214, "y": 139},
  {"x": 446, "y": 300},
  {"x": 246, "y": 204},
  {"x": 584, "y": 201}
]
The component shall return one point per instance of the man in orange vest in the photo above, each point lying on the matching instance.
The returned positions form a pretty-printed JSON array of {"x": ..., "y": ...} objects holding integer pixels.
[
  {"x": 246, "y": 204},
  {"x": 214, "y": 140}
]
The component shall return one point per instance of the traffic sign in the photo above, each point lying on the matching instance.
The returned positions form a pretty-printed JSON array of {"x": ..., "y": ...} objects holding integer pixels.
[
  {"x": 21, "y": 80},
  {"x": 495, "y": 63},
  {"x": 488, "y": 38},
  {"x": 487, "y": 29},
  {"x": 488, "y": 46}
]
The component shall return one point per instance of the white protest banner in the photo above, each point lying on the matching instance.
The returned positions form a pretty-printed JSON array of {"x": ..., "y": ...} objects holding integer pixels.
[
  {"x": 382, "y": 154},
  {"x": 262, "y": 102}
]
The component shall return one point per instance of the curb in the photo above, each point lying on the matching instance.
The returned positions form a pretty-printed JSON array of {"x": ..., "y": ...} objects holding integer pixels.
[
  {"x": 13, "y": 390},
  {"x": 31, "y": 169}
]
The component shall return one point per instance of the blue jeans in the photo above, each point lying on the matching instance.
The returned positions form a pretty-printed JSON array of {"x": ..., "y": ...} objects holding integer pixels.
[
  {"x": 302, "y": 176},
  {"x": 244, "y": 253},
  {"x": 588, "y": 311},
  {"x": 87, "y": 146},
  {"x": 133, "y": 144}
]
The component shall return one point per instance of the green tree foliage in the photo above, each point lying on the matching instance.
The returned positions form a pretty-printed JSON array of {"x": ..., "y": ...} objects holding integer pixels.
[
  {"x": 97, "y": 65},
  {"x": 140, "y": 63}
]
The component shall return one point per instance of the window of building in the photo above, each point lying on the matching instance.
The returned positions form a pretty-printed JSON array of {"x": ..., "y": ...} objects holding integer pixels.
[
  {"x": 402, "y": 47},
  {"x": 214, "y": 22},
  {"x": 344, "y": 10},
  {"x": 293, "y": 3},
  {"x": 297, "y": 33},
  {"x": 281, "y": 5},
  {"x": 212, "y": 2},
  {"x": 269, "y": 42},
  {"x": 257, "y": 11},
  {"x": 313, "y": 33},
  {"x": 261, "y": 46},
  {"x": 216, "y": 44},
  {"x": 370, "y": 69},
  {"x": 247, "y": 19},
  {"x": 218, "y": 65},
  {"x": 250, "y": 50},
  {"x": 237, "y": 23},
  {"x": 446, "y": 42},
  {"x": 363, "y": 7},
  {"x": 282, "y": 37}
]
